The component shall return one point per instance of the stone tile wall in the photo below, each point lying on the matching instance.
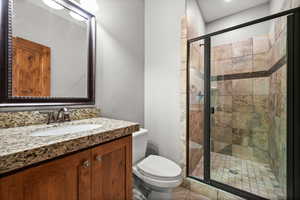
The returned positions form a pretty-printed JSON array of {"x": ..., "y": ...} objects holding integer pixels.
[
  {"x": 240, "y": 124},
  {"x": 277, "y": 110},
  {"x": 196, "y": 112},
  {"x": 182, "y": 92},
  {"x": 250, "y": 118},
  {"x": 267, "y": 50}
]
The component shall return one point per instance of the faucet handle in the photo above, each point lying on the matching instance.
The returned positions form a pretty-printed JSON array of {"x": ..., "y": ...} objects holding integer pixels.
[
  {"x": 65, "y": 109},
  {"x": 67, "y": 116},
  {"x": 63, "y": 115},
  {"x": 51, "y": 118}
]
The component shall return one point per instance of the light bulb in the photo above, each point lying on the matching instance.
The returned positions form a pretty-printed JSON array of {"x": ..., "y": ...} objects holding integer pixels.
[{"x": 53, "y": 4}]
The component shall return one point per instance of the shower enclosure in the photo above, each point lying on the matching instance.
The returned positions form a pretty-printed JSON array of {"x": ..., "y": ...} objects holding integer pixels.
[{"x": 242, "y": 108}]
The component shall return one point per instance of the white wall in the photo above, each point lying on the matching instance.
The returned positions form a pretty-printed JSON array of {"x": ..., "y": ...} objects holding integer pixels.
[
  {"x": 277, "y": 5},
  {"x": 120, "y": 59},
  {"x": 65, "y": 38},
  {"x": 281, "y": 5},
  {"x": 195, "y": 20},
  {"x": 236, "y": 19},
  {"x": 162, "y": 74}
]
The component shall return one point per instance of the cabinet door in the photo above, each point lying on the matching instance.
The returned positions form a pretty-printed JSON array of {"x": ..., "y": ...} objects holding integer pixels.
[
  {"x": 64, "y": 179},
  {"x": 112, "y": 170}
]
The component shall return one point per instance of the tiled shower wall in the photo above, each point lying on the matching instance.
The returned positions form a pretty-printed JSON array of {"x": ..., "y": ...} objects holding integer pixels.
[
  {"x": 196, "y": 114},
  {"x": 240, "y": 97},
  {"x": 244, "y": 74},
  {"x": 277, "y": 109},
  {"x": 248, "y": 93}
]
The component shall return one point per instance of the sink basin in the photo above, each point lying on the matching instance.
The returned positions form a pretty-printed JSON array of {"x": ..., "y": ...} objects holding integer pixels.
[{"x": 63, "y": 130}]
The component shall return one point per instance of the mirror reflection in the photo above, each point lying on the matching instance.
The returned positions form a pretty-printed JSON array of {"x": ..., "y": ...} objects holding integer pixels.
[{"x": 50, "y": 50}]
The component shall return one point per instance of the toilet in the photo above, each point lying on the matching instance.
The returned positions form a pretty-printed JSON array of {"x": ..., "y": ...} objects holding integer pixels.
[{"x": 156, "y": 173}]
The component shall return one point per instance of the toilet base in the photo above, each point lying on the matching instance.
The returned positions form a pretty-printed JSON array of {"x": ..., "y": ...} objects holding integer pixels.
[
  {"x": 142, "y": 188},
  {"x": 151, "y": 192}
]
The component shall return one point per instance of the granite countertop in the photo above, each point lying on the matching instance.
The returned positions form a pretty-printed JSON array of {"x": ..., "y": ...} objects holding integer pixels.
[{"x": 18, "y": 149}]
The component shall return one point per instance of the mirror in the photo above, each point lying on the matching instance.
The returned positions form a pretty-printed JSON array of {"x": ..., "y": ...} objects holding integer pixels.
[{"x": 51, "y": 48}]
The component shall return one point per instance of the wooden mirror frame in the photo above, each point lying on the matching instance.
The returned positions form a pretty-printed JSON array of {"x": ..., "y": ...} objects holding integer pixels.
[{"x": 6, "y": 99}]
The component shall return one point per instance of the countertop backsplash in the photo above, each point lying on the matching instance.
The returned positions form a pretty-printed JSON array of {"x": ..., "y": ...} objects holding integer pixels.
[{"x": 28, "y": 118}]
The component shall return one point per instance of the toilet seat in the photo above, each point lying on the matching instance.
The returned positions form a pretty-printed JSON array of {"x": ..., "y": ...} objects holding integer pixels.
[
  {"x": 158, "y": 167},
  {"x": 159, "y": 172}
]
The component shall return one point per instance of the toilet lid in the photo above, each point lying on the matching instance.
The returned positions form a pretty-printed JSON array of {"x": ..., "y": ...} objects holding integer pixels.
[{"x": 160, "y": 167}]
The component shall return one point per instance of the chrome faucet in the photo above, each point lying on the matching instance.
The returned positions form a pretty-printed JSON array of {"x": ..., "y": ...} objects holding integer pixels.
[{"x": 63, "y": 115}]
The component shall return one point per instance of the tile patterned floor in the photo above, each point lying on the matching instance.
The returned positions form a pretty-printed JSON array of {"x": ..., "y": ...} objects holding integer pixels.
[
  {"x": 243, "y": 174},
  {"x": 181, "y": 193}
]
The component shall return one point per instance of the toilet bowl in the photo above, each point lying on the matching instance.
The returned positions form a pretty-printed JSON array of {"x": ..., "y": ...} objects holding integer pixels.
[{"x": 156, "y": 173}]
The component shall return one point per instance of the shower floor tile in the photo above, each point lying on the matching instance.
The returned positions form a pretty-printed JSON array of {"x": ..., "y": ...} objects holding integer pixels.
[{"x": 247, "y": 175}]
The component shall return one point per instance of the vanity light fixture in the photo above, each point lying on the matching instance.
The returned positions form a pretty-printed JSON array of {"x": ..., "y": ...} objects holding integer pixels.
[
  {"x": 53, "y": 4},
  {"x": 227, "y": 1},
  {"x": 76, "y": 16}
]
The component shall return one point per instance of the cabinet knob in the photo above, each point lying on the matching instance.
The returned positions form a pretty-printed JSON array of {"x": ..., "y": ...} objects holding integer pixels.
[
  {"x": 86, "y": 164},
  {"x": 99, "y": 158}
]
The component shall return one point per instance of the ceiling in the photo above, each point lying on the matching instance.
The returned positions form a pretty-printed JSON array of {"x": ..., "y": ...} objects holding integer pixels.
[{"x": 215, "y": 9}]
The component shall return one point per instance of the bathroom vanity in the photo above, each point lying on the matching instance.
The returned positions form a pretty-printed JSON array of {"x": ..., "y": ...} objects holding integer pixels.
[
  {"x": 94, "y": 164},
  {"x": 47, "y": 61}
]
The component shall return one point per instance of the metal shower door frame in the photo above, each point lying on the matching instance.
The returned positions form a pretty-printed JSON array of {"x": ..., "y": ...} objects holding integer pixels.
[{"x": 293, "y": 105}]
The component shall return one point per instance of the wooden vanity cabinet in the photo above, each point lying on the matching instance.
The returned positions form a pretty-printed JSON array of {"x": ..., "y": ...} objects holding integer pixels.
[
  {"x": 112, "y": 171},
  {"x": 100, "y": 173},
  {"x": 65, "y": 178}
]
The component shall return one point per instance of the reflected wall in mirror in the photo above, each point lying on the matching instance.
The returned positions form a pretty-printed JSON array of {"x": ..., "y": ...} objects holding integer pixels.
[{"x": 50, "y": 50}]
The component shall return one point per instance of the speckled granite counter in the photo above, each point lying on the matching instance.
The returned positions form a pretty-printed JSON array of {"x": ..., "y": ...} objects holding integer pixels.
[{"x": 18, "y": 149}]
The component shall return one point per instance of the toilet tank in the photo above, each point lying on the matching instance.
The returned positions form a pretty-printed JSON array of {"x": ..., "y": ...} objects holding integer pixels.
[{"x": 139, "y": 145}]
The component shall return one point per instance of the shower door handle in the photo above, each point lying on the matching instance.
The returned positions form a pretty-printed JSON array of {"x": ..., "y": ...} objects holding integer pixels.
[{"x": 212, "y": 110}]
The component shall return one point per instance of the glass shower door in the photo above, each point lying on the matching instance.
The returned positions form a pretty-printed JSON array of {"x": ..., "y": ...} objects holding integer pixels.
[
  {"x": 248, "y": 89},
  {"x": 196, "y": 109}
]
